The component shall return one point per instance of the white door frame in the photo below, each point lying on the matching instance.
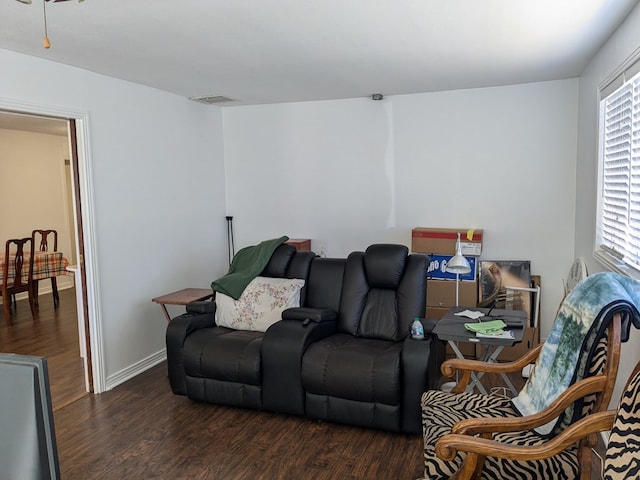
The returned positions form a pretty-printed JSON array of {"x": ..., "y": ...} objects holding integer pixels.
[{"x": 88, "y": 221}]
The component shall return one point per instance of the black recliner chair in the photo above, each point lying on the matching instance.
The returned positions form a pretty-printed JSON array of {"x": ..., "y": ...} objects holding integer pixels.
[
  {"x": 369, "y": 371},
  {"x": 220, "y": 365},
  {"x": 287, "y": 340}
]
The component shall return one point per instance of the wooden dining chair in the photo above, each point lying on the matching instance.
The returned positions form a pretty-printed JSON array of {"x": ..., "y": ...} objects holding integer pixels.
[
  {"x": 14, "y": 279},
  {"x": 44, "y": 241}
]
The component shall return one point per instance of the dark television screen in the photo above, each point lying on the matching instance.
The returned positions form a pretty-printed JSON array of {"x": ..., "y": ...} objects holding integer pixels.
[{"x": 27, "y": 437}]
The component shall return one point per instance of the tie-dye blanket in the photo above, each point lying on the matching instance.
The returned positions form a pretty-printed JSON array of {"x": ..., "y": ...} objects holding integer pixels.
[{"x": 578, "y": 327}]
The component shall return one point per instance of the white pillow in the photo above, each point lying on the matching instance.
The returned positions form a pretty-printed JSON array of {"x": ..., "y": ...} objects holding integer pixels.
[{"x": 260, "y": 305}]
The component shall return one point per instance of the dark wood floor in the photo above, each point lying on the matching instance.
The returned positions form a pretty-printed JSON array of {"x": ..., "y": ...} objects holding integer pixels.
[
  {"x": 53, "y": 335},
  {"x": 140, "y": 430}
]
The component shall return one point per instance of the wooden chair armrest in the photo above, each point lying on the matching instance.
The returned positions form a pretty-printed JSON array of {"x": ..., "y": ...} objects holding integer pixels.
[
  {"x": 464, "y": 366},
  {"x": 450, "y": 444},
  {"x": 449, "y": 367},
  {"x": 474, "y": 426}
]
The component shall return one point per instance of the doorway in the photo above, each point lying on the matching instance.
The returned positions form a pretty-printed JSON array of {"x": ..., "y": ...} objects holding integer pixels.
[{"x": 41, "y": 133}]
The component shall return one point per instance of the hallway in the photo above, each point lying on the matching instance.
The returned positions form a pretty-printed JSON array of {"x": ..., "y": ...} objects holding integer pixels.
[{"x": 54, "y": 336}]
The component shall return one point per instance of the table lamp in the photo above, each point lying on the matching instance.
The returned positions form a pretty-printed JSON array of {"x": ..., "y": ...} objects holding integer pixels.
[{"x": 458, "y": 264}]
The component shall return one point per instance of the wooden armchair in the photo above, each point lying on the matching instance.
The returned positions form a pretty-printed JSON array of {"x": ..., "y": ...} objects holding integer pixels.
[
  {"x": 621, "y": 458},
  {"x": 468, "y": 435}
]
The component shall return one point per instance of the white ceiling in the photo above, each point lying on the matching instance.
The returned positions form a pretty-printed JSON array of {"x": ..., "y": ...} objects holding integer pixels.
[{"x": 270, "y": 51}]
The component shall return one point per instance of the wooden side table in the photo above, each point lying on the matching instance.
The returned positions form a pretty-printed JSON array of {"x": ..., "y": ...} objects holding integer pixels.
[
  {"x": 302, "y": 244},
  {"x": 182, "y": 297}
]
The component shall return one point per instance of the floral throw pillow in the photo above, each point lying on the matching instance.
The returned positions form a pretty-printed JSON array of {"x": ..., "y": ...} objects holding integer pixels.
[{"x": 260, "y": 305}]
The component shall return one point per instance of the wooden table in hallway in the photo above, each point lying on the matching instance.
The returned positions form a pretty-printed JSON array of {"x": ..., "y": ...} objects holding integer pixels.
[{"x": 45, "y": 265}]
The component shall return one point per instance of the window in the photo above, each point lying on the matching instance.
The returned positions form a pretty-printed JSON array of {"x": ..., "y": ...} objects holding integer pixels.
[{"x": 618, "y": 228}]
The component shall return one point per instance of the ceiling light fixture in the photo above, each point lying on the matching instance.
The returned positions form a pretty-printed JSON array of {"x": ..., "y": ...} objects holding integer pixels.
[
  {"x": 212, "y": 99},
  {"x": 45, "y": 41}
]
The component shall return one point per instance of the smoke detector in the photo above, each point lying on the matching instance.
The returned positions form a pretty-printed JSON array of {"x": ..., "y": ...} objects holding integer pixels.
[{"x": 212, "y": 99}]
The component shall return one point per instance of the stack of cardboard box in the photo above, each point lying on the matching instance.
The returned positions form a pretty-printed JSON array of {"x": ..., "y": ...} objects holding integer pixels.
[{"x": 440, "y": 244}]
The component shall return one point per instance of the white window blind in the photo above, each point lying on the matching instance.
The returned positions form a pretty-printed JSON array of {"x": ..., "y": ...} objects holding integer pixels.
[{"x": 619, "y": 202}]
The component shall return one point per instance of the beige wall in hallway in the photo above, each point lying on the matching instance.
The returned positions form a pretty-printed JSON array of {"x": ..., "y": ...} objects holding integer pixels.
[{"x": 33, "y": 187}]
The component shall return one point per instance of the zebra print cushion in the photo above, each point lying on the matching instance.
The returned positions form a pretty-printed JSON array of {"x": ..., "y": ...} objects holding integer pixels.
[
  {"x": 441, "y": 410},
  {"x": 622, "y": 460}
]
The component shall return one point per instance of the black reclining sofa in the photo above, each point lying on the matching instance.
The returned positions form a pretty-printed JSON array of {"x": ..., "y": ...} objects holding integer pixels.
[{"x": 345, "y": 355}]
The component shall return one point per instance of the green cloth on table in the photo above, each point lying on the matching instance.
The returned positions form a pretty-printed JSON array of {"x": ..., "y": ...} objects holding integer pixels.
[
  {"x": 486, "y": 328},
  {"x": 245, "y": 266}
]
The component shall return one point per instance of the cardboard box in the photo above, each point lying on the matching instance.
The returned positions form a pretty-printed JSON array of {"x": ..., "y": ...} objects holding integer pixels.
[
  {"x": 436, "y": 312},
  {"x": 443, "y": 241},
  {"x": 442, "y": 293},
  {"x": 440, "y": 244}
]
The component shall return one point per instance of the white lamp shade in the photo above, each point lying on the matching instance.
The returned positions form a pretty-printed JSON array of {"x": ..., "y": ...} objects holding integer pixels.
[{"x": 458, "y": 264}]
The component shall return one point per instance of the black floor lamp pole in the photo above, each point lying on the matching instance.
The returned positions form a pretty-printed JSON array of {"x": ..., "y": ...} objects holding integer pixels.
[{"x": 231, "y": 248}]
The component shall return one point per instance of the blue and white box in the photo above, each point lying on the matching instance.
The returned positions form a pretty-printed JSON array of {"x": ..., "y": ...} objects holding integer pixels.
[{"x": 438, "y": 269}]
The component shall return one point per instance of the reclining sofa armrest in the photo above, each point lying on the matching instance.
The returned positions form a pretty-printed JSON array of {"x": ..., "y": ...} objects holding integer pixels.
[
  {"x": 421, "y": 360},
  {"x": 316, "y": 315},
  {"x": 201, "y": 306},
  {"x": 283, "y": 346},
  {"x": 178, "y": 329}
]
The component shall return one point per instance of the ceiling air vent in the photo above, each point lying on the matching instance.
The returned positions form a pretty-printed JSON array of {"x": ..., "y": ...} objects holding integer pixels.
[{"x": 212, "y": 99}]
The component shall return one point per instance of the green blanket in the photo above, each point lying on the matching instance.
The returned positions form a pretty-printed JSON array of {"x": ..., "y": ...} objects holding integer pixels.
[{"x": 245, "y": 266}]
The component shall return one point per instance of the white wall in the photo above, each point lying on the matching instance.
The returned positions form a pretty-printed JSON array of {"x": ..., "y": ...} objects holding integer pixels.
[
  {"x": 620, "y": 46},
  {"x": 345, "y": 173},
  {"x": 32, "y": 182},
  {"x": 157, "y": 172},
  {"x": 349, "y": 173}
]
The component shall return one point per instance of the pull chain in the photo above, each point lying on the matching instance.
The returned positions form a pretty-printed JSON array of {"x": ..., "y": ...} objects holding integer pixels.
[{"x": 45, "y": 41}]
